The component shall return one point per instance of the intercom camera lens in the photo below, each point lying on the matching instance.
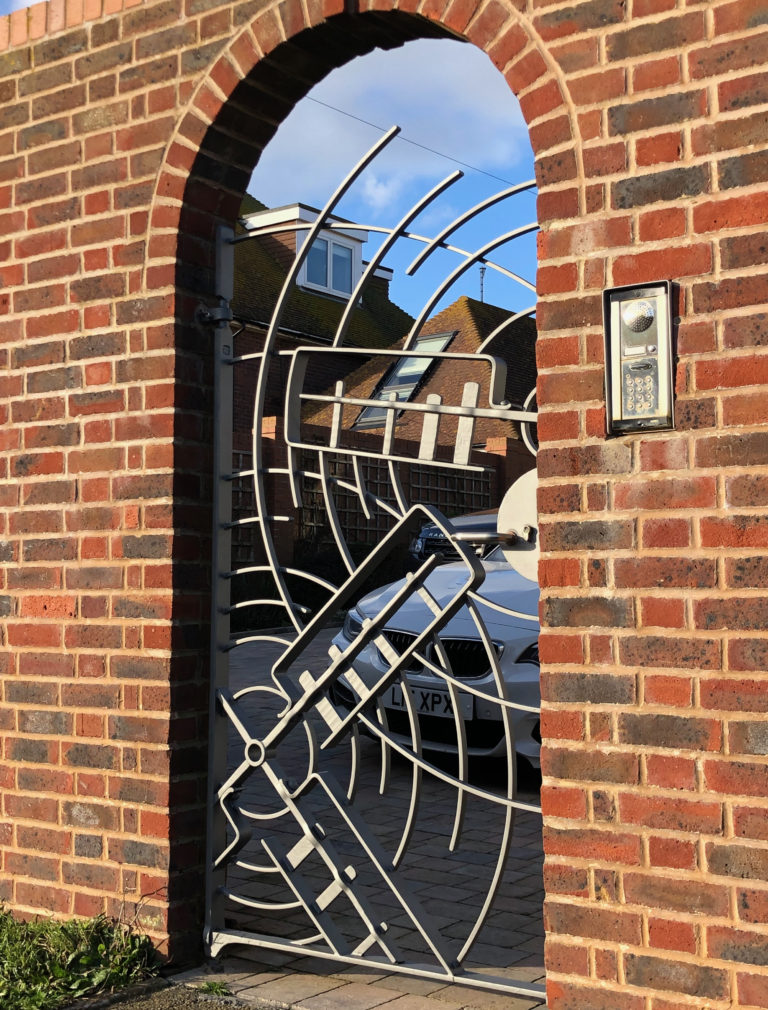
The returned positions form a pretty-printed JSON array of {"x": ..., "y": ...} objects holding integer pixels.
[{"x": 638, "y": 315}]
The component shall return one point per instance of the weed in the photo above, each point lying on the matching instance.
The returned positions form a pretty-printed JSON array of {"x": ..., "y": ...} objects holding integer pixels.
[
  {"x": 215, "y": 988},
  {"x": 46, "y": 964}
]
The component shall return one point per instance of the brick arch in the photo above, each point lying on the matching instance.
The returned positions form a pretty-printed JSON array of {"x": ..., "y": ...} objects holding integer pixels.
[
  {"x": 279, "y": 56},
  {"x": 236, "y": 109}
]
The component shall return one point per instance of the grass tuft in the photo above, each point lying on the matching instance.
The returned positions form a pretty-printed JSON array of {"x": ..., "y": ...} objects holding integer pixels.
[
  {"x": 47, "y": 964},
  {"x": 213, "y": 987}
]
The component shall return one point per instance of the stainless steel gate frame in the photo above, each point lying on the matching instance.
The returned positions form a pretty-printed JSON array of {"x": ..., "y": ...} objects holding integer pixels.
[{"x": 298, "y": 857}]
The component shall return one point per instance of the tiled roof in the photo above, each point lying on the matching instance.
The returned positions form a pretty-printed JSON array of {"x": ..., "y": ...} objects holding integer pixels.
[
  {"x": 471, "y": 322},
  {"x": 516, "y": 345}
]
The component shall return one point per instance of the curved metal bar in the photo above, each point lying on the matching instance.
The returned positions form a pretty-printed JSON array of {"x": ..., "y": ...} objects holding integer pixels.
[
  {"x": 260, "y": 603},
  {"x": 461, "y": 743},
  {"x": 261, "y": 905},
  {"x": 276, "y": 815},
  {"x": 362, "y": 493},
  {"x": 305, "y": 942},
  {"x": 463, "y": 218},
  {"x": 504, "y": 847},
  {"x": 506, "y": 840},
  {"x": 411, "y": 235},
  {"x": 397, "y": 486},
  {"x": 386, "y": 764},
  {"x": 526, "y": 429},
  {"x": 245, "y": 640},
  {"x": 266, "y": 638},
  {"x": 288, "y": 571},
  {"x": 379, "y": 230},
  {"x": 467, "y": 688},
  {"x": 438, "y": 773},
  {"x": 492, "y": 605},
  {"x": 380, "y": 503},
  {"x": 330, "y": 507},
  {"x": 483, "y": 348},
  {"x": 501, "y": 688},
  {"x": 382, "y": 251},
  {"x": 269, "y": 342},
  {"x": 280, "y": 229},
  {"x": 416, "y": 775},
  {"x": 458, "y": 271},
  {"x": 355, "y": 764}
]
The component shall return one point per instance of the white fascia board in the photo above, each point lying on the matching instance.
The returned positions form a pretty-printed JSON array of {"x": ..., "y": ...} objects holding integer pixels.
[
  {"x": 383, "y": 272},
  {"x": 295, "y": 213}
]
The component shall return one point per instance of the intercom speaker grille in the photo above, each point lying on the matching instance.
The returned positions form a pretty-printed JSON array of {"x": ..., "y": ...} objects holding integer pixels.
[{"x": 638, "y": 315}]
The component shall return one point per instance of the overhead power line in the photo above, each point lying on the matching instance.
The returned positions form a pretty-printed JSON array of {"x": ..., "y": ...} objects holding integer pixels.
[{"x": 413, "y": 143}]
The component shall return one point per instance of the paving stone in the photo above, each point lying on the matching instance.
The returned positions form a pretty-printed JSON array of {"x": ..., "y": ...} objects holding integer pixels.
[
  {"x": 294, "y": 988},
  {"x": 411, "y": 984},
  {"x": 411, "y": 1001},
  {"x": 197, "y": 976},
  {"x": 482, "y": 999},
  {"x": 350, "y": 997},
  {"x": 507, "y": 1003},
  {"x": 333, "y": 969},
  {"x": 242, "y": 983}
]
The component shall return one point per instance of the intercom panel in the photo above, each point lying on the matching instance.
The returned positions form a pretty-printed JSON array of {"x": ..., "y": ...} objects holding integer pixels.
[{"x": 638, "y": 358}]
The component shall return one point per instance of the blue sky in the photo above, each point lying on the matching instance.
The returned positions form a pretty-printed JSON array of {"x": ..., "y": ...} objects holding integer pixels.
[
  {"x": 446, "y": 96},
  {"x": 6, "y": 6}
]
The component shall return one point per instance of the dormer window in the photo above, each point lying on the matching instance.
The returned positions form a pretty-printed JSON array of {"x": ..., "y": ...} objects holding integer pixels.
[
  {"x": 334, "y": 263},
  {"x": 331, "y": 265}
]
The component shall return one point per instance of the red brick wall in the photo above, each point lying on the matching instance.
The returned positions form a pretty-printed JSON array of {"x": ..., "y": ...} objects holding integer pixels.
[{"x": 125, "y": 136}]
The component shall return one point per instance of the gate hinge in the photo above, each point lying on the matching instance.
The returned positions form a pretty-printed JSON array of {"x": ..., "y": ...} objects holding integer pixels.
[{"x": 215, "y": 315}]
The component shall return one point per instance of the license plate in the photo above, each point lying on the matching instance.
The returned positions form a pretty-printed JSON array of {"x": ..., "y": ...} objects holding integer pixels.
[{"x": 427, "y": 701}]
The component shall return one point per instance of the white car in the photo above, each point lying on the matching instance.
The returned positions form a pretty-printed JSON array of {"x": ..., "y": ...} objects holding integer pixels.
[{"x": 513, "y": 637}]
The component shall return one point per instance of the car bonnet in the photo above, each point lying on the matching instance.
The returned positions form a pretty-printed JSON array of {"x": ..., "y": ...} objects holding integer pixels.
[{"x": 503, "y": 586}]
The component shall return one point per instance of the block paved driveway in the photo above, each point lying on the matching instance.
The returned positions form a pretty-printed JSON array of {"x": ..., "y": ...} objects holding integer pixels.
[{"x": 448, "y": 885}]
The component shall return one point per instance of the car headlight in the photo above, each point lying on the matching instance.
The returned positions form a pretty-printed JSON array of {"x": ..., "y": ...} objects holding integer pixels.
[{"x": 353, "y": 625}]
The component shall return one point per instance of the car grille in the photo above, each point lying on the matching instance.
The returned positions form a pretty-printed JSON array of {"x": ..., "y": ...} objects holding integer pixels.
[
  {"x": 439, "y": 545},
  {"x": 481, "y": 734},
  {"x": 467, "y": 657}
]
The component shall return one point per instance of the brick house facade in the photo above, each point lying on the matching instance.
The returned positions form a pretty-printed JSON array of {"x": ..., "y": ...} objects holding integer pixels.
[{"x": 127, "y": 133}]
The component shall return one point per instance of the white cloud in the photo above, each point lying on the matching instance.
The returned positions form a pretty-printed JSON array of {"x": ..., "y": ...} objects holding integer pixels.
[
  {"x": 445, "y": 95},
  {"x": 381, "y": 193}
]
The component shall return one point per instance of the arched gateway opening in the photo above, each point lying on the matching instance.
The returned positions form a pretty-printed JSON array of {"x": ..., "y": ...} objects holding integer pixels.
[{"x": 326, "y": 812}]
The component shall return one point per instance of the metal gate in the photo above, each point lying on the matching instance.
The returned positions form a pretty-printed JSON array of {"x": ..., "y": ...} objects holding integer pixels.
[{"x": 345, "y": 819}]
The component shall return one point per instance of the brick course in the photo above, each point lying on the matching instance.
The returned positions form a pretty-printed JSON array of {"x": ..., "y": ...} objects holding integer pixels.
[{"x": 128, "y": 132}]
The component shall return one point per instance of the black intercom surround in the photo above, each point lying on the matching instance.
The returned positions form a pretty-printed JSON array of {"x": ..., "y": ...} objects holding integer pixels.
[{"x": 639, "y": 373}]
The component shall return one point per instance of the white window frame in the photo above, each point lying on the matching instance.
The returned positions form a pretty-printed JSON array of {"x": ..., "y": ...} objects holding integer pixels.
[{"x": 332, "y": 238}]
